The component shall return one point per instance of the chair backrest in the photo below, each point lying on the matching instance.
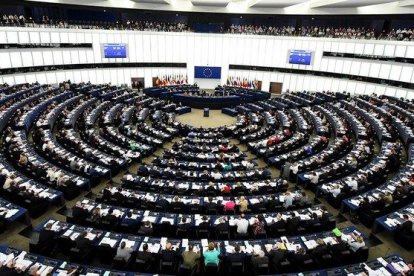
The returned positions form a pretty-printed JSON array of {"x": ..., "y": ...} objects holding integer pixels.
[{"x": 211, "y": 267}]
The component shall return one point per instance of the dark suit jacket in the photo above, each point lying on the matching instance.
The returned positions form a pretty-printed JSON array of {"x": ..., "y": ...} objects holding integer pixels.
[
  {"x": 204, "y": 225},
  {"x": 276, "y": 256},
  {"x": 163, "y": 203},
  {"x": 236, "y": 257},
  {"x": 46, "y": 236},
  {"x": 259, "y": 260},
  {"x": 168, "y": 255},
  {"x": 83, "y": 244},
  {"x": 145, "y": 256},
  {"x": 79, "y": 213},
  {"x": 222, "y": 226},
  {"x": 320, "y": 250},
  {"x": 145, "y": 230},
  {"x": 406, "y": 227},
  {"x": 339, "y": 247}
]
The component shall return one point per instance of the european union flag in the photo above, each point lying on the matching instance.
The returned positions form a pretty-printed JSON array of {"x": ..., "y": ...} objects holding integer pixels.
[{"x": 204, "y": 72}]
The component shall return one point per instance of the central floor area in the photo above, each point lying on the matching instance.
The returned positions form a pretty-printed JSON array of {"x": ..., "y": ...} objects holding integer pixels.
[{"x": 196, "y": 119}]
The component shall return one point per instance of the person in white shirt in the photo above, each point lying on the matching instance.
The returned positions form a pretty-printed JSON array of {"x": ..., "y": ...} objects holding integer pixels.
[
  {"x": 123, "y": 252},
  {"x": 216, "y": 175},
  {"x": 294, "y": 168},
  {"x": 352, "y": 184},
  {"x": 52, "y": 174},
  {"x": 288, "y": 200},
  {"x": 356, "y": 242},
  {"x": 9, "y": 181},
  {"x": 314, "y": 178},
  {"x": 336, "y": 191},
  {"x": 242, "y": 225}
]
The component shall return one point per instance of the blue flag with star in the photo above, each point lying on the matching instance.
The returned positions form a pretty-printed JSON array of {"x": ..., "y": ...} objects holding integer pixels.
[{"x": 207, "y": 72}]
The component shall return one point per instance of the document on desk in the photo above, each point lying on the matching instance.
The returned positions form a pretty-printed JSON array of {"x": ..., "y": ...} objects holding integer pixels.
[
  {"x": 184, "y": 243},
  {"x": 292, "y": 246},
  {"x": 391, "y": 222},
  {"x": 128, "y": 243},
  {"x": 154, "y": 248},
  {"x": 229, "y": 248},
  {"x": 108, "y": 241},
  {"x": 204, "y": 242},
  {"x": 149, "y": 218},
  {"x": 164, "y": 219},
  {"x": 11, "y": 213},
  {"x": 90, "y": 236}
]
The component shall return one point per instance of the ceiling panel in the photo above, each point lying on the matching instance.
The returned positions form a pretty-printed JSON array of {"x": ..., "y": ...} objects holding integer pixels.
[
  {"x": 214, "y": 3},
  {"x": 150, "y": 1},
  {"x": 353, "y": 3},
  {"x": 276, "y": 3}
]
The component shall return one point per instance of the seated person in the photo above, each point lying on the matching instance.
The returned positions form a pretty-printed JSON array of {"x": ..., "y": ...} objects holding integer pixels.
[
  {"x": 163, "y": 203},
  {"x": 78, "y": 211},
  {"x": 184, "y": 225},
  {"x": 259, "y": 225},
  {"x": 288, "y": 200},
  {"x": 205, "y": 223},
  {"x": 230, "y": 205},
  {"x": 410, "y": 270},
  {"x": 211, "y": 205},
  {"x": 242, "y": 225},
  {"x": 111, "y": 218},
  {"x": 177, "y": 203},
  {"x": 169, "y": 254},
  {"x": 146, "y": 229},
  {"x": 191, "y": 257},
  {"x": 243, "y": 204},
  {"x": 236, "y": 256},
  {"x": 123, "y": 252},
  {"x": 300, "y": 256},
  {"x": 321, "y": 248},
  {"x": 145, "y": 255},
  {"x": 339, "y": 246},
  {"x": 356, "y": 242},
  {"x": 259, "y": 258},
  {"x": 83, "y": 243},
  {"x": 406, "y": 227},
  {"x": 211, "y": 255},
  {"x": 46, "y": 237},
  {"x": 226, "y": 189},
  {"x": 293, "y": 223},
  {"x": 276, "y": 255}
]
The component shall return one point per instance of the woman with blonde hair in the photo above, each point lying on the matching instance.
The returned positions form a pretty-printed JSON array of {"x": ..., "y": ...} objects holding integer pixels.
[
  {"x": 211, "y": 256},
  {"x": 243, "y": 204}
]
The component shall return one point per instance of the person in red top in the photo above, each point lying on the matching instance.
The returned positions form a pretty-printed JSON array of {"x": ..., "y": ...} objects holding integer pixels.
[
  {"x": 224, "y": 148},
  {"x": 229, "y": 206},
  {"x": 276, "y": 139},
  {"x": 270, "y": 142},
  {"x": 226, "y": 189},
  {"x": 287, "y": 132},
  {"x": 345, "y": 139}
]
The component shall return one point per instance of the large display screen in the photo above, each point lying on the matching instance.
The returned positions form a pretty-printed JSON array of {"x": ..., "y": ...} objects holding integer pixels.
[
  {"x": 300, "y": 57},
  {"x": 115, "y": 50}
]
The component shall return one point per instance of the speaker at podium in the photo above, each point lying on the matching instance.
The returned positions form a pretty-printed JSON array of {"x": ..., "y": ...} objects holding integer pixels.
[{"x": 206, "y": 112}]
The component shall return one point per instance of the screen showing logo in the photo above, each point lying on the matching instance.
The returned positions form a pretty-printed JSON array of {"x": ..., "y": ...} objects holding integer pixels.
[
  {"x": 300, "y": 57},
  {"x": 112, "y": 50}
]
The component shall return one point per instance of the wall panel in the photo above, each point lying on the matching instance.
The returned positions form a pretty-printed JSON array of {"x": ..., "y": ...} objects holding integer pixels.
[{"x": 210, "y": 49}]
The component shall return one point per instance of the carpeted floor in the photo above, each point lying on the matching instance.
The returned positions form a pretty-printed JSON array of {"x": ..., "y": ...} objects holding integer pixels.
[{"x": 196, "y": 118}]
